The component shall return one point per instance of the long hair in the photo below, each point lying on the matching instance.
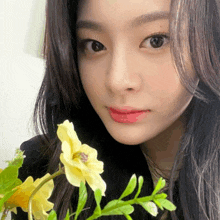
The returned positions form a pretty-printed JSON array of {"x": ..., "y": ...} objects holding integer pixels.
[
  {"x": 195, "y": 46},
  {"x": 195, "y": 32}
]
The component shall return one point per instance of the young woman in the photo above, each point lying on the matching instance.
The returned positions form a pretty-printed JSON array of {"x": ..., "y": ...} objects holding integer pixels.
[{"x": 140, "y": 81}]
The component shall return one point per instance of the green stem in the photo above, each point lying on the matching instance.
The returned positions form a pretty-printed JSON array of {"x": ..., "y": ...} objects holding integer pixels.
[
  {"x": 145, "y": 199},
  {"x": 81, "y": 211},
  {"x": 58, "y": 173},
  {"x": 4, "y": 214},
  {"x": 129, "y": 202}
]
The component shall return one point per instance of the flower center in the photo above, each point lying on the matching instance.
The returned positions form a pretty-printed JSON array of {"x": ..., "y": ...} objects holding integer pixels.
[{"x": 83, "y": 157}]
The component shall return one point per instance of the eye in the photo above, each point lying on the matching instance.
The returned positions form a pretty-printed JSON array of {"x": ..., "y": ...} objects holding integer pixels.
[
  {"x": 90, "y": 46},
  {"x": 157, "y": 41}
]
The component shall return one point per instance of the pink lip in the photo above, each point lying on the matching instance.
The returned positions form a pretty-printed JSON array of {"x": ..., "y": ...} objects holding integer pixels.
[
  {"x": 126, "y": 110},
  {"x": 127, "y": 115}
]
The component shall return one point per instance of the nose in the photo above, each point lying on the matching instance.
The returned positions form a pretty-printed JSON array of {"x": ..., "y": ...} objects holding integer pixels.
[{"x": 122, "y": 75}]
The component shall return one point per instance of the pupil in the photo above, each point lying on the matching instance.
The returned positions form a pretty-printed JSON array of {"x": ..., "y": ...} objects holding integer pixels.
[
  {"x": 157, "y": 42},
  {"x": 96, "y": 46}
]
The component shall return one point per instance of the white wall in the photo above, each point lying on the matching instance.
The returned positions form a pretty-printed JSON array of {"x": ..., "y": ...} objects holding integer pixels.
[{"x": 21, "y": 70}]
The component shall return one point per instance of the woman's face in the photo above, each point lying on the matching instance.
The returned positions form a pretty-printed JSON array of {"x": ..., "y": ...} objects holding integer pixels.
[{"x": 125, "y": 63}]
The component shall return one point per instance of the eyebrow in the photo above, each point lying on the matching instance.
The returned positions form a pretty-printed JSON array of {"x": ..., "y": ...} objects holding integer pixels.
[{"x": 136, "y": 22}]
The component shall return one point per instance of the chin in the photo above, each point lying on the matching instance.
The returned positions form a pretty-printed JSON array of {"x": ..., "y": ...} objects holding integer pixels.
[
  {"x": 128, "y": 142},
  {"x": 129, "y": 134},
  {"x": 128, "y": 139}
]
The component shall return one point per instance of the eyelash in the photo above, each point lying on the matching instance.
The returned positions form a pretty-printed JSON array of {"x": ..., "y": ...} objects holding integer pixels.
[{"x": 82, "y": 43}]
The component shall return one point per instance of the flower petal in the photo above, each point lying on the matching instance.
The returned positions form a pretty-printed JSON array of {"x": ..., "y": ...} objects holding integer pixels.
[
  {"x": 68, "y": 151},
  {"x": 65, "y": 132},
  {"x": 47, "y": 188},
  {"x": 38, "y": 210},
  {"x": 41, "y": 199},
  {"x": 96, "y": 166},
  {"x": 74, "y": 176},
  {"x": 62, "y": 132},
  {"x": 40, "y": 204},
  {"x": 21, "y": 196},
  {"x": 71, "y": 163},
  {"x": 96, "y": 182},
  {"x": 14, "y": 210},
  {"x": 89, "y": 151}
]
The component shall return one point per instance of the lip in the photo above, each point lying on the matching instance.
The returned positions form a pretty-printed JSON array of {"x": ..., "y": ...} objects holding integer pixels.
[
  {"x": 126, "y": 110},
  {"x": 125, "y": 115}
]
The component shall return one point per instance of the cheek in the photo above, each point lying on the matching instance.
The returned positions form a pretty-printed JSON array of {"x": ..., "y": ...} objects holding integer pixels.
[
  {"x": 163, "y": 80},
  {"x": 92, "y": 80},
  {"x": 166, "y": 90}
]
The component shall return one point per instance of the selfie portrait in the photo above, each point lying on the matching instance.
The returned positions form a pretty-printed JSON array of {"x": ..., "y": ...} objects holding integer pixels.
[{"x": 121, "y": 114}]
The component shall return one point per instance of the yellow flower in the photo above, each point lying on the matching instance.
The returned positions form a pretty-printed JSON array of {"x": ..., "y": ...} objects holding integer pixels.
[
  {"x": 40, "y": 205},
  {"x": 80, "y": 161}
]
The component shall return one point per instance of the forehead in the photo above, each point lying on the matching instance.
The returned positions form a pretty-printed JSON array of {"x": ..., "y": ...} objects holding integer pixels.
[
  {"x": 122, "y": 13},
  {"x": 120, "y": 9}
]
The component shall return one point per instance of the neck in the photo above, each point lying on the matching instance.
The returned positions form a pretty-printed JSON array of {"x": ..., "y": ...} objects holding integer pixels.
[{"x": 162, "y": 149}]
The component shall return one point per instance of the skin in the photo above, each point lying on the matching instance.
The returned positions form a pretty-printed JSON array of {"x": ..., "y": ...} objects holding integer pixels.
[{"x": 127, "y": 71}]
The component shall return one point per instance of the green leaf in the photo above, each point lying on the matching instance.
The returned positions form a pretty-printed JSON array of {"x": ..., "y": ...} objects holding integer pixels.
[
  {"x": 160, "y": 184},
  {"x": 6, "y": 197},
  {"x": 130, "y": 187},
  {"x": 167, "y": 204},
  {"x": 67, "y": 215},
  {"x": 140, "y": 184},
  {"x": 52, "y": 215},
  {"x": 150, "y": 207},
  {"x": 82, "y": 199},
  {"x": 8, "y": 178},
  {"x": 157, "y": 202},
  {"x": 98, "y": 198},
  {"x": 18, "y": 160},
  {"x": 112, "y": 208},
  {"x": 16, "y": 183},
  {"x": 158, "y": 198}
]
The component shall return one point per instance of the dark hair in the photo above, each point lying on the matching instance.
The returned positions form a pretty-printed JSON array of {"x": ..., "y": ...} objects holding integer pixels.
[{"x": 195, "y": 46}]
